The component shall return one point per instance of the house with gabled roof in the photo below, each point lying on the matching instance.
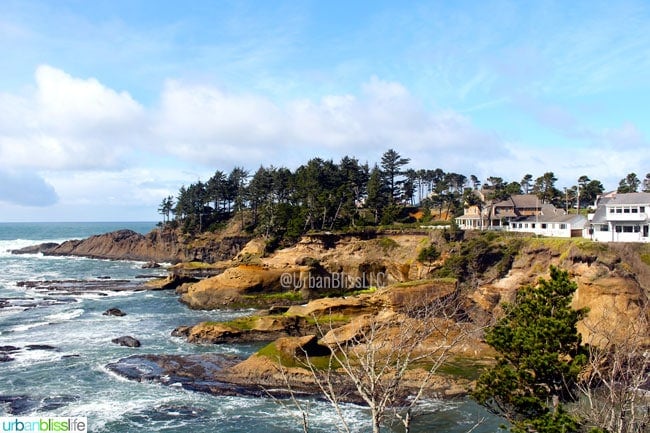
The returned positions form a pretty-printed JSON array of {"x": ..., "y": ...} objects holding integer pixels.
[{"x": 621, "y": 217}]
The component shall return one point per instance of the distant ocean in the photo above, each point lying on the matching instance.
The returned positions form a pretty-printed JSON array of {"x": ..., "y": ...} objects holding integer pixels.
[{"x": 64, "y": 344}]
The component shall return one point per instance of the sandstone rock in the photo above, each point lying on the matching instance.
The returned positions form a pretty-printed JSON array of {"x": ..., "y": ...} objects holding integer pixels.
[
  {"x": 301, "y": 346},
  {"x": 231, "y": 285}
]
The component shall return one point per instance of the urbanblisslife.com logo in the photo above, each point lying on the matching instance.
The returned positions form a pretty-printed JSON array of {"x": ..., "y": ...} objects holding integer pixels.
[{"x": 43, "y": 424}]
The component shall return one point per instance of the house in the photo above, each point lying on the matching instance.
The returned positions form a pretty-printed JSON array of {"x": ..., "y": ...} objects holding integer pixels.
[
  {"x": 499, "y": 215},
  {"x": 475, "y": 217},
  {"x": 555, "y": 224},
  {"x": 621, "y": 218}
]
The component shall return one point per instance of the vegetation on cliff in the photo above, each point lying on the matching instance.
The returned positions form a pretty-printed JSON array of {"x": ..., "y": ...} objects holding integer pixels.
[
  {"x": 322, "y": 195},
  {"x": 540, "y": 357}
]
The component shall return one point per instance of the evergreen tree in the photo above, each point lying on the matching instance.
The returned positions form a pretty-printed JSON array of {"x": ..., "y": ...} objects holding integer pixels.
[
  {"x": 629, "y": 183},
  {"x": 391, "y": 164},
  {"x": 539, "y": 358}
]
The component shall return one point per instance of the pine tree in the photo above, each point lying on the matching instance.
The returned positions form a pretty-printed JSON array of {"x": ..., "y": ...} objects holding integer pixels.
[{"x": 539, "y": 359}]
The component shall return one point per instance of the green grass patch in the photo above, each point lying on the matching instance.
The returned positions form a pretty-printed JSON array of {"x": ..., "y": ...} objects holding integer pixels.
[
  {"x": 466, "y": 368},
  {"x": 318, "y": 362},
  {"x": 280, "y": 296},
  {"x": 645, "y": 254},
  {"x": 387, "y": 244}
]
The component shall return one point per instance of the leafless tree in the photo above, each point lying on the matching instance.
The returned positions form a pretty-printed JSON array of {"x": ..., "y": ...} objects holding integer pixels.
[
  {"x": 616, "y": 383},
  {"x": 389, "y": 360}
]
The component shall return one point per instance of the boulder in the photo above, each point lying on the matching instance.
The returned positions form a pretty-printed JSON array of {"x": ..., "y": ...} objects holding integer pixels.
[
  {"x": 114, "y": 312},
  {"x": 127, "y": 341}
]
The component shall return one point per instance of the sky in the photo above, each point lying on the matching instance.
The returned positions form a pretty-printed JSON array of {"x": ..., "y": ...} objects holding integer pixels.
[{"x": 107, "y": 107}]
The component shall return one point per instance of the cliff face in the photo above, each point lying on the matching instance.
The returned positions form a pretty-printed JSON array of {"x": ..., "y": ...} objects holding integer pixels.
[
  {"x": 612, "y": 281},
  {"x": 158, "y": 245}
]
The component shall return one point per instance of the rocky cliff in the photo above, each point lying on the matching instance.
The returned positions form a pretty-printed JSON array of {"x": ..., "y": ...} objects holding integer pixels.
[{"x": 159, "y": 246}]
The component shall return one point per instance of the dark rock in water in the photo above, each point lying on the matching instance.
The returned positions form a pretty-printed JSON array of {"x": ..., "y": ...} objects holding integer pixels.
[
  {"x": 40, "y": 347},
  {"x": 56, "y": 402},
  {"x": 182, "y": 331},
  {"x": 127, "y": 341},
  {"x": 114, "y": 312},
  {"x": 75, "y": 355},
  {"x": 169, "y": 412},
  {"x": 5, "y": 358},
  {"x": 9, "y": 349},
  {"x": 24, "y": 404},
  {"x": 104, "y": 277},
  {"x": 35, "y": 249},
  {"x": 150, "y": 265},
  {"x": 206, "y": 372},
  {"x": 18, "y": 404}
]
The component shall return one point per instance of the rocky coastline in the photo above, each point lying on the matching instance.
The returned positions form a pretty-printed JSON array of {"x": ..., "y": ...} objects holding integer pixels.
[{"x": 375, "y": 276}]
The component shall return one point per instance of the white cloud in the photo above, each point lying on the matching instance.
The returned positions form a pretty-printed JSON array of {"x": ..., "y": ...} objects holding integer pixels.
[
  {"x": 207, "y": 125},
  {"x": 68, "y": 123}
]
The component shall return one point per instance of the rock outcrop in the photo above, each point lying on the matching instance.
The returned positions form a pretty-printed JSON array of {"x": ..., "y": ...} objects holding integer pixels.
[{"x": 156, "y": 246}]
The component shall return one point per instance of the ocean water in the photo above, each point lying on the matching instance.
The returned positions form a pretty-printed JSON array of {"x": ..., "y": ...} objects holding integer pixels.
[{"x": 66, "y": 374}]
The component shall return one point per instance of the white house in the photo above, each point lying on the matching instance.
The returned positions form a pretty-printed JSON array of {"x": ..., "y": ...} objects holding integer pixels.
[
  {"x": 621, "y": 218},
  {"x": 556, "y": 224}
]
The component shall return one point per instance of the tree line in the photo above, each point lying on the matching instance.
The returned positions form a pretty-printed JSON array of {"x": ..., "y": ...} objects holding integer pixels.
[{"x": 325, "y": 195}]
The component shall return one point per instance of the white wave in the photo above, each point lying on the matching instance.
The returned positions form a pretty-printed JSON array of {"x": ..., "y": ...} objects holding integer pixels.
[
  {"x": 64, "y": 316},
  {"x": 28, "y": 326}
]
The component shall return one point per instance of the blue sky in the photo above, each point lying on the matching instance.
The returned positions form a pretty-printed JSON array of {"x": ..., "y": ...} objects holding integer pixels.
[{"x": 106, "y": 107}]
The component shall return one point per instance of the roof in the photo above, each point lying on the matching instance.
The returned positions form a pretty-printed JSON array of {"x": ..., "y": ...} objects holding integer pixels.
[
  {"x": 630, "y": 198},
  {"x": 520, "y": 201}
]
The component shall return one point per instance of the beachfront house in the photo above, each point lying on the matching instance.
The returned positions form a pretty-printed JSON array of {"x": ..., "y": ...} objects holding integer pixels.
[{"x": 621, "y": 218}]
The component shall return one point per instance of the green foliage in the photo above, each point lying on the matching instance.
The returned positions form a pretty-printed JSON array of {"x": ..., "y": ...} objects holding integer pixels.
[
  {"x": 539, "y": 357},
  {"x": 477, "y": 255},
  {"x": 428, "y": 254},
  {"x": 387, "y": 244}
]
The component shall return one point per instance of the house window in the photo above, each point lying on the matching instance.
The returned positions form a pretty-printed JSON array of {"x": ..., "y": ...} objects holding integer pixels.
[
  {"x": 619, "y": 210},
  {"x": 526, "y": 225},
  {"x": 635, "y": 210},
  {"x": 627, "y": 229},
  {"x": 532, "y": 225},
  {"x": 642, "y": 209},
  {"x": 543, "y": 225},
  {"x": 562, "y": 226},
  {"x": 637, "y": 229},
  {"x": 618, "y": 229},
  {"x": 604, "y": 228},
  {"x": 626, "y": 210},
  {"x": 611, "y": 210}
]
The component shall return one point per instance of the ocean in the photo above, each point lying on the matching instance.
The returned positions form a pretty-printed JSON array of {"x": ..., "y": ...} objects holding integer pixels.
[{"x": 62, "y": 344}]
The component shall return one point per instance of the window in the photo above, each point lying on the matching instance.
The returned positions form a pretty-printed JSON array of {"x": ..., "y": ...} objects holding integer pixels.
[
  {"x": 642, "y": 209},
  {"x": 637, "y": 229},
  {"x": 604, "y": 228},
  {"x": 532, "y": 225},
  {"x": 543, "y": 225},
  {"x": 562, "y": 226},
  {"x": 618, "y": 229},
  {"x": 626, "y": 210},
  {"x": 526, "y": 225},
  {"x": 627, "y": 229},
  {"x": 635, "y": 210},
  {"x": 619, "y": 210},
  {"x": 611, "y": 210}
]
